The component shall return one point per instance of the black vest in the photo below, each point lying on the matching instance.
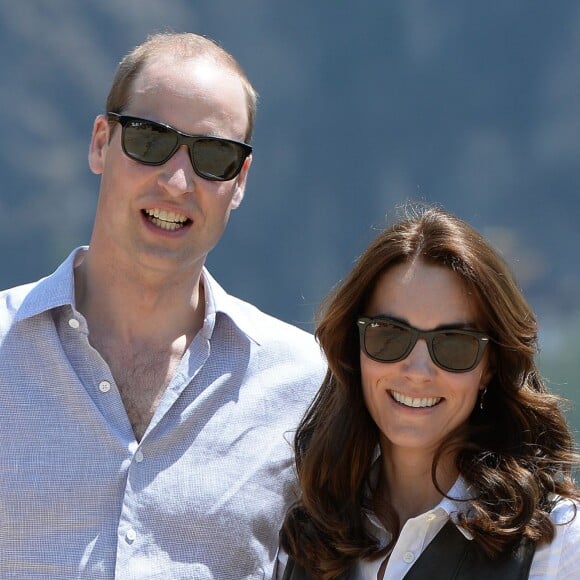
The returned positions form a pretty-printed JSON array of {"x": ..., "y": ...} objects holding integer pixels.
[{"x": 451, "y": 556}]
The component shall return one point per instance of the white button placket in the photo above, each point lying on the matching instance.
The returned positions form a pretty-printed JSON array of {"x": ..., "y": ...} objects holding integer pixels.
[{"x": 129, "y": 540}]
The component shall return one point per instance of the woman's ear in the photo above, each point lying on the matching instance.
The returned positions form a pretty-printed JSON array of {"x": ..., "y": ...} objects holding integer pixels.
[{"x": 486, "y": 377}]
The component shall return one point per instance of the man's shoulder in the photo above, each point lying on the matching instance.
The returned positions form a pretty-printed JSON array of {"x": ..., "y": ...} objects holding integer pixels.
[
  {"x": 21, "y": 290},
  {"x": 251, "y": 320},
  {"x": 278, "y": 344},
  {"x": 277, "y": 338},
  {"x": 12, "y": 299},
  {"x": 33, "y": 298},
  {"x": 269, "y": 327},
  {"x": 285, "y": 354}
]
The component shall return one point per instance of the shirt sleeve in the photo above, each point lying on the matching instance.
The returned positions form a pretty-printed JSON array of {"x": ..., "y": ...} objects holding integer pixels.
[{"x": 560, "y": 560}]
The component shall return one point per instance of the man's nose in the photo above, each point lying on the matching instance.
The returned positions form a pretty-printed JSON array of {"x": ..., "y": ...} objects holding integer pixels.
[{"x": 177, "y": 176}]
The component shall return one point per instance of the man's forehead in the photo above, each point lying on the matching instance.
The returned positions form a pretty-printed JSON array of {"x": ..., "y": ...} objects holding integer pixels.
[
  {"x": 167, "y": 86},
  {"x": 175, "y": 73}
]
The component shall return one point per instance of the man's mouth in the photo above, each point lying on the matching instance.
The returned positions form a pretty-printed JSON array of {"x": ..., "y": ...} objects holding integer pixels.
[
  {"x": 166, "y": 220},
  {"x": 416, "y": 402}
]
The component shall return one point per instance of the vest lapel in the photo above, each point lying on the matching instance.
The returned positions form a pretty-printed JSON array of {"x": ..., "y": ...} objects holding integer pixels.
[
  {"x": 451, "y": 556},
  {"x": 442, "y": 557}
]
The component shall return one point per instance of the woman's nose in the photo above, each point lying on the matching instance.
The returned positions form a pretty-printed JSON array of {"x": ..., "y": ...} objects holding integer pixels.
[{"x": 419, "y": 362}]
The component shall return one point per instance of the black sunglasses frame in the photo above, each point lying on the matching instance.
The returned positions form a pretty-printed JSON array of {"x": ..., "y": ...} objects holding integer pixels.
[
  {"x": 182, "y": 139},
  {"x": 427, "y": 335}
]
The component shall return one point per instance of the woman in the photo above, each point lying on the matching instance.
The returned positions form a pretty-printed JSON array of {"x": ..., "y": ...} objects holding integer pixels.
[{"x": 433, "y": 426}]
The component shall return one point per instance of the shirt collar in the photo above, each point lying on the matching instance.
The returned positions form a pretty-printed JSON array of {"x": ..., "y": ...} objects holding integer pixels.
[
  {"x": 242, "y": 314},
  {"x": 51, "y": 292},
  {"x": 451, "y": 506},
  {"x": 58, "y": 290},
  {"x": 459, "y": 491}
]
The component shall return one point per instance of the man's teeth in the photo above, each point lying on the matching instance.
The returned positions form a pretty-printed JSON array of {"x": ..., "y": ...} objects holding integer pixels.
[
  {"x": 415, "y": 402},
  {"x": 166, "y": 216},
  {"x": 167, "y": 220}
]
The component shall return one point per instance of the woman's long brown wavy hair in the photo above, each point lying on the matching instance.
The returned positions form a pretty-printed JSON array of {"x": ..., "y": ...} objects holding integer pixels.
[{"x": 514, "y": 453}]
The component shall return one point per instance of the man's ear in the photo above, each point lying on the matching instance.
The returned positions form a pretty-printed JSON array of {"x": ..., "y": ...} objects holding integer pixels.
[
  {"x": 240, "y": 185},
  {"x": 99, "y": 144}
]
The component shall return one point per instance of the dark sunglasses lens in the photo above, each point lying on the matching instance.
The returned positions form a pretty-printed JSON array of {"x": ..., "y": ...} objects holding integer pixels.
[
  {"x": 386, "y": 342},
  {"x": 455, "y": 351},
  {"x": 148, "y": 142},
  {"x": 217, "y": 158}
]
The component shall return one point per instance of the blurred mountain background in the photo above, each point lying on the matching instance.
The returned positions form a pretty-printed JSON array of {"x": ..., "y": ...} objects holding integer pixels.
[{"x": 363, "y": 105}]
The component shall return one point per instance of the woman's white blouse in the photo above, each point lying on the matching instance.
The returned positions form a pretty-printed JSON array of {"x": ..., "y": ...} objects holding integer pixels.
[{"x": 559, "y": 560}]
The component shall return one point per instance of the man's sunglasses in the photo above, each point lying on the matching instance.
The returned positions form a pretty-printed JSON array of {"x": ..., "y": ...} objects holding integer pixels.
[
  {"x": 455, "y": 350},
  {"x": 154, "y": 143}
]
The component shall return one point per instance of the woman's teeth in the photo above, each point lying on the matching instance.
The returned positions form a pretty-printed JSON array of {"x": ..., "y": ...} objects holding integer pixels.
[{"x": 415, "y": 402}]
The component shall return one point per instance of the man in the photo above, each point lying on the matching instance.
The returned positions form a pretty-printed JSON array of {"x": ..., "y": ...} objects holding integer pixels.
[{"x": 147, "y": 416}]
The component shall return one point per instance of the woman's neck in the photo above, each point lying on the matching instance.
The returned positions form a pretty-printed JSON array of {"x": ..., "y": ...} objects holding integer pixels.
[{"x": 408, "y": 482}]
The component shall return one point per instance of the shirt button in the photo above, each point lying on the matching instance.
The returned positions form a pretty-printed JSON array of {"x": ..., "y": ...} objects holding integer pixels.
[
  {"x": 408, "y": 557},
  {"x": 73, "y": 323},
  {"x": 138, "y": 456},
  {"x": 131, "y": 535},
  {"x": 431, "y": 517},
  {"x": 104, "y": 386}
]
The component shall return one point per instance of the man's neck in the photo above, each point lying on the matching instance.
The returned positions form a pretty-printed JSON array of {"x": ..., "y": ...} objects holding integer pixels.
[{"x": 134, "y": 306}]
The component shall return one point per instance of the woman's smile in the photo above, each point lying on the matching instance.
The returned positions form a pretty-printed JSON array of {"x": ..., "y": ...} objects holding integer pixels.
[{"x": 417, "y": 402}]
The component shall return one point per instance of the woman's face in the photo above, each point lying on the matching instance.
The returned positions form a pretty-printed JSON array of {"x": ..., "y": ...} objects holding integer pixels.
[{"x": 414, "y": 402}]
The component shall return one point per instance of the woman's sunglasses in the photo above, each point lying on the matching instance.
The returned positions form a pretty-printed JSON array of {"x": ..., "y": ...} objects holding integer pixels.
[
  {"x": 153, "y": 143},
  {"x": 387, "y": 340}
]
